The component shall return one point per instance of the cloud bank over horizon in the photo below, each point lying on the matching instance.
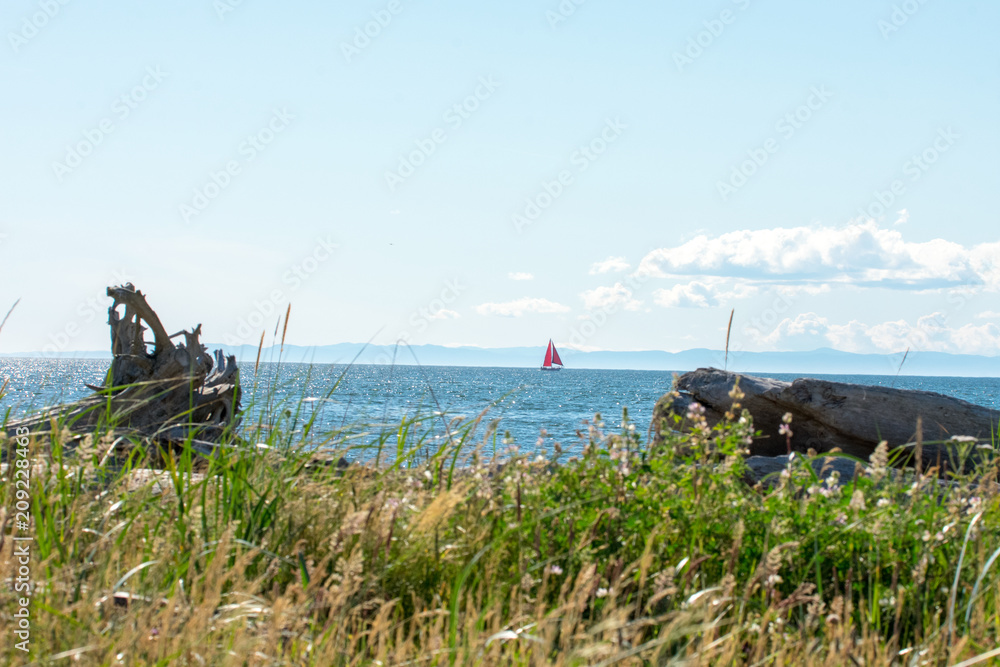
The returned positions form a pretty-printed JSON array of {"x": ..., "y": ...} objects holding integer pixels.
[
  {"x": 770, "y": 272},
  {"x": 859, "y": 253}
]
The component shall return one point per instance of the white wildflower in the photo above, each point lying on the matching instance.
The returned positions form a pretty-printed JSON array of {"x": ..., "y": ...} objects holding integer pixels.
[
  {"x": 695, "y": 410},
  {"x": 857, "y": 500}
]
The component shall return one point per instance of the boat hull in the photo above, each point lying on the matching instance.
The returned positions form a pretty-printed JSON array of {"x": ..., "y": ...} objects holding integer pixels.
[{"x": 550, "y": 368}]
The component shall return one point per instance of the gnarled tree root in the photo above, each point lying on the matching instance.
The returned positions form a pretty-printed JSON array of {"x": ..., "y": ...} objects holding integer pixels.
[{"x": 175, "y": 392}]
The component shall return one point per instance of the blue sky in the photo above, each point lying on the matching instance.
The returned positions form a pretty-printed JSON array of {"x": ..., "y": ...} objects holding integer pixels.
[{"x": 610, "y": 175}]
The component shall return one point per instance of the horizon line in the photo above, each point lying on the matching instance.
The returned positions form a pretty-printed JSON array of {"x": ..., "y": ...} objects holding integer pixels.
[{"x": 732, "y": 353}]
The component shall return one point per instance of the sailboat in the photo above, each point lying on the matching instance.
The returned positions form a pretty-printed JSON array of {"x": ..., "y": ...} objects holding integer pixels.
[{"x": 552, "y": 357}]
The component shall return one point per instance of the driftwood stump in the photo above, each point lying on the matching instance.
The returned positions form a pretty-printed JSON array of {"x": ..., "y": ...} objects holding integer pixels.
[{"x": 172, "y": 392}]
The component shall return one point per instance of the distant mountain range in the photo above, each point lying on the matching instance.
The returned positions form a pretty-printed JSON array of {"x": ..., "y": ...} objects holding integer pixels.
[{"x": 821, "y": 361}]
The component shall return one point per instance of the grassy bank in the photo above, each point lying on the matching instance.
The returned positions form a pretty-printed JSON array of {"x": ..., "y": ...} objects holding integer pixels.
[{"x": 442, "y": 554}]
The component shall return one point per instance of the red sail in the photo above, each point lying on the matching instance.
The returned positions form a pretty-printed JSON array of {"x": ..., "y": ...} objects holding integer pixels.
[
  {"x": 555, "y": 355},
  {"x": 548, "y": 356}
]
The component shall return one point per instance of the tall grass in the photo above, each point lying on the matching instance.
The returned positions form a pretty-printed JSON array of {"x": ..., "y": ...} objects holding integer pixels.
[{"x": 266, "y": 553}]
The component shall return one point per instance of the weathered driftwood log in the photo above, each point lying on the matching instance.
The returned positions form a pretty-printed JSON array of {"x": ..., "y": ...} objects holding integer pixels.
[
  {"x": 827, "y": 415},
  {"x": 170, "y": 393}
]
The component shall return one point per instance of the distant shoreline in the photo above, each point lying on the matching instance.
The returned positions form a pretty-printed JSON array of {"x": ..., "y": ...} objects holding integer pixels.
[{"x": 815, "y": 362}]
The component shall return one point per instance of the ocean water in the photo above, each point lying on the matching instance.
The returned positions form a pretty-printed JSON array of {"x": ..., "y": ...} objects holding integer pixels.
[{"x": 371, "y": 398}]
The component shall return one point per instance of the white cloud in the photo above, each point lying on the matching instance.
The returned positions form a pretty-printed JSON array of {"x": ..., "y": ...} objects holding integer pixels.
[
  {"x": 520, "y": 307},
  {"x": 930, "y": 333},
  {"x": 983, "y": 339},
  {"x": 610, "y": 298},
  {"x": 859, "y": 253},
  {"x": 703, "y": 294},
  {"x": 988, "y": 315},
  {"x": 520, "y": 275},
  {"x": 904, "y": 217},
  {"x": 808, "y": 331},
  {"x": 691, "y": 295},
  {"x": 809, "y": 289},
  {"x": 609, "y": 265},
  {"x": 444, "y": 314}
]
